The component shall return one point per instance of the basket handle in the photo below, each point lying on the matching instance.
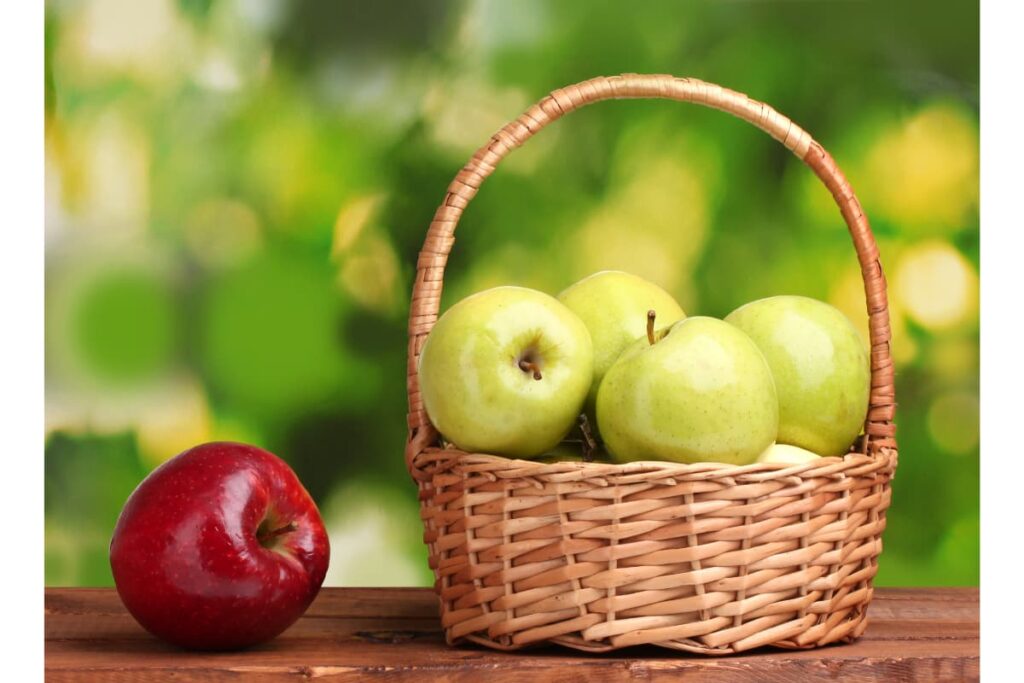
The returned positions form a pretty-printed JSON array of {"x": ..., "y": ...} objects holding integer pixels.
[{"x": 426, "y": 294}]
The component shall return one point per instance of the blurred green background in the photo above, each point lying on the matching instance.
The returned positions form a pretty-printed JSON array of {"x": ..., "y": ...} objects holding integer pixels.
[{"x": 236, "y": 191}]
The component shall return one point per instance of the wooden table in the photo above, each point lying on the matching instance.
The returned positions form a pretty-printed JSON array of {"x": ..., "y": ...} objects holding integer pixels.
[{"x": 392, "y": 634}]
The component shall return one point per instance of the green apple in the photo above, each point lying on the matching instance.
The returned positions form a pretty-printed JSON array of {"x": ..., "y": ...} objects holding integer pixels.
[
  {"x": 613, "y": 305},
  {"x": 784, "y": 453},
  {"x": 701, "y": 392},
  {"x": 820, "y": 365},
  {"x": 506, "y": 371}
]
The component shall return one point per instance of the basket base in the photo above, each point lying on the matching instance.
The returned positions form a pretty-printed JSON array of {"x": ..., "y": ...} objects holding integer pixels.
[{"x": 847, "y": 632}]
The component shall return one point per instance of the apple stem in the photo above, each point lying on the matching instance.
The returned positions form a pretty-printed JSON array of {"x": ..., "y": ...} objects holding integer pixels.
[
  {"x": 274, "y": 533},
  {"x": 589, "y": 444},
  {"x": 650, "y": 327},
  {"x": 530, "y": 366}
]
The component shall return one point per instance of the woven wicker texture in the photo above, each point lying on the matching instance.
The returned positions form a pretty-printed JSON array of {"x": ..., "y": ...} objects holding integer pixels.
[{"x": 707, "y": 558}]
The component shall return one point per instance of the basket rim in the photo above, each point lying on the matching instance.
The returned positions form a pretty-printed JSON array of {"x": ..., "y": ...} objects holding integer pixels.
[
  {"x": 438, "y": 459},
  {"x": 879, "y": 428}
]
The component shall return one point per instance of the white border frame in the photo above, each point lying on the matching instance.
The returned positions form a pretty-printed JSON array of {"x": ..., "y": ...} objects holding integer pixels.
[{"x": 21, "y": 348}]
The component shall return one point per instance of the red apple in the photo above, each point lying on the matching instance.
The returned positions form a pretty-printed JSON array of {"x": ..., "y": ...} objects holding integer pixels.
[{"x": 219, "y": 548}]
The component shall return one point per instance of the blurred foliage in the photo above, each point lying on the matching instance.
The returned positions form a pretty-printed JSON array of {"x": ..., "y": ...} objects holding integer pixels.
[{"x": 237, "y": 189}]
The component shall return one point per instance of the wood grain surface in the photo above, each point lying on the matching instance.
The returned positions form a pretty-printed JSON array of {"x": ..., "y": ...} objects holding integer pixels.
[{"x": 393, "y": 634}]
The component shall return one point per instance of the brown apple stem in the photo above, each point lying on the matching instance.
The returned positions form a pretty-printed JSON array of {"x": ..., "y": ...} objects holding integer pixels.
[
  {"x": 274, "y": 533},
  {"x": 650, "y": 327},
  {"x": 589, "y": 444},
  {"x": 530, "y": 366}
]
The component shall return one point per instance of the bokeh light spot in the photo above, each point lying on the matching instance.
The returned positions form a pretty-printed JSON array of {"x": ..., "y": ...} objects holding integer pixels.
[
  {"x": 464, "y": 113},
  {"x": 352, "y": 219},
  {"x": 172, "y": 420},
  {"x": 125, "y": 327},
  {"x": 270, "y": 336},
  {"x": 221, "y": 232},
  {"x": 108, "y": 174},
  {"x": 923, "y": 174},
  {"x": 937, "y": 286},
  {"x": 145, "y": 38},
  {"x": 369, "y": 274},
  {"x": 374, "y": 536}
]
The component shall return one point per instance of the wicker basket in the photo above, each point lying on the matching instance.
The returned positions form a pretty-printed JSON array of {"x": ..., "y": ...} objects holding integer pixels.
[{"x": 707, "y": 558}]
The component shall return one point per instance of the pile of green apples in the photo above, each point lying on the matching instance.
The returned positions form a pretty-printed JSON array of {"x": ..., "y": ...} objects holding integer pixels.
[{"x": 516, "y": 372}]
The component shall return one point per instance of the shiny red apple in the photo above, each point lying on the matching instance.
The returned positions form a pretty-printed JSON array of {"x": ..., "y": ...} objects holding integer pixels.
[{"x": 219, "y": 548}]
